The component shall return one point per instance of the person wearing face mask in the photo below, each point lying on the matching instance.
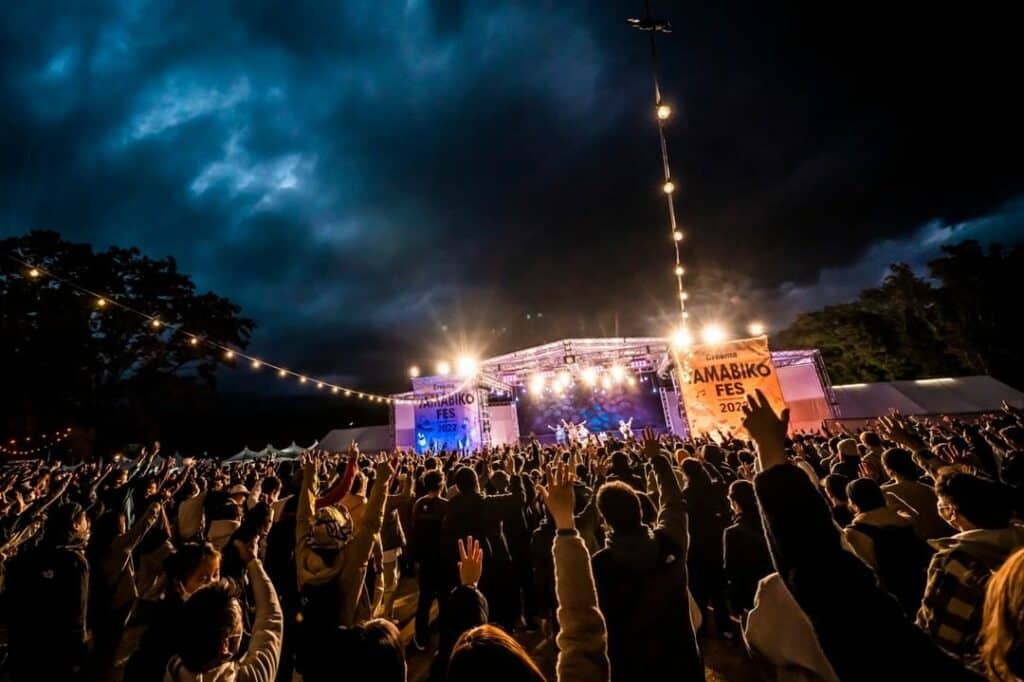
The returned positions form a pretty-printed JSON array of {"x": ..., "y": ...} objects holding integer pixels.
[
  {"x": 50, "y": 594},
  {"x": 212, "y": 632},
  {"x": 158, "y": 625},
  {"x": 981, "y": 511}
]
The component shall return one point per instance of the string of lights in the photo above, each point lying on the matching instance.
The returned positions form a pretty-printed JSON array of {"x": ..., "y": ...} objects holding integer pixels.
[
  {"x": 229, "y": 355},
  {"x": 45, "y": 441},
  {"x": 663, "y": 112}
]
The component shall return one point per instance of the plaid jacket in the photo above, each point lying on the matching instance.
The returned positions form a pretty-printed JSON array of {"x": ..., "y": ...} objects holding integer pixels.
[{"x": 957, "y": 577}]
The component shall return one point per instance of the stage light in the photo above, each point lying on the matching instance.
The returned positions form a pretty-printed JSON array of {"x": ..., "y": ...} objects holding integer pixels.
[
  {"x": 669, "y": 187},
  {"x": 34, "y": 273},
  {"x": 664, "y": 111},
  {"x": 256, "y": 364},
  {"x": 414, "y": 371},
  {"x": 101, "y": 302},
  {"x": 466, "y": 366},
  {"x": 618, "y": 373},
  {"x": 564, "y": 378},
  {"x": 281, "y": 373},
  {"x": 681, "y": 339},
  {"x": 756, "y": 329},
  {"x": 444, "y": 368},
  {"x": 679, "y": 271},
  {"x": 713, "y": 333},
  {"x": 590, "y": 376},
  {"x": 606, "y": 383},
  {"x": 631, "y": 381},
  {"x": 537, "y": 384},
  {"x": 677, "y": 235}
]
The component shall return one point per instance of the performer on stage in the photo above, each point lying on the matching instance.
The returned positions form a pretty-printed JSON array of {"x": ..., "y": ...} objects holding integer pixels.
[
  {"x": 626, "y": 428},
  {"x": 571, "y": 431},
  {"x": 559, "y": 433},
  {"x": 582, "y": 433},
  {"x": 602, "y": 437},
  {"x": 421, "y": 442}
]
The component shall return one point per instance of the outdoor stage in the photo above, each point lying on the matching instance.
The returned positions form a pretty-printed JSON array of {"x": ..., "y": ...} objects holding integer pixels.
[{"x": 599, "y": 382}]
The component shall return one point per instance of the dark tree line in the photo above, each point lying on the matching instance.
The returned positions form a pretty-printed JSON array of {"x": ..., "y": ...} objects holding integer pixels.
[
  {"x": 66, "y": 358},
  {"x": 963, "y": 318}
]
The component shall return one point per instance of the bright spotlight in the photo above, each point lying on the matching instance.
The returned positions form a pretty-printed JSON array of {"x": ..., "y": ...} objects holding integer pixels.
[
  {"x": 444, "y": 368},
  {"x": 606, "y": 382},
  {"x": 713, "y": 333},
  {"x": 681, "y": 339},
  {"x": 618, "y": 373},
  {"x": 466, "y": 366},
  {"x": 414, "y": 371},
  {"x": 537, "y": 384},
  {"x": 564, "y": 378},
  {"x": 756, "y": 328},
  {"x": 590, "y": 376}
]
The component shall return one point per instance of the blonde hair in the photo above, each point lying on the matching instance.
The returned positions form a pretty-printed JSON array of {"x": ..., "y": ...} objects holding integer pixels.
[{"x": 1002, "y": 624}]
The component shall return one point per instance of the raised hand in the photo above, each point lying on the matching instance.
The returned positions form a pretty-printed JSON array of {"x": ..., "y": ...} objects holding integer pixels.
[
  {"x": 651, "y": 445},
  {"x": 767, "y": 429},
  {"x": 561, "y": 496},
  {"x": 471, "y": 561}
]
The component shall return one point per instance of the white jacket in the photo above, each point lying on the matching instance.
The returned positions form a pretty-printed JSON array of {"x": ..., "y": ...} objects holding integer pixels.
[{"x": 261, "y": 660}]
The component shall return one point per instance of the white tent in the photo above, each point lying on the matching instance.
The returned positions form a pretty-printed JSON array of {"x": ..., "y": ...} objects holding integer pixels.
[
  {"x": 369, "y": 439},
  {"x": 244, "y": 456},
  {"x": 948, "y": 395}
]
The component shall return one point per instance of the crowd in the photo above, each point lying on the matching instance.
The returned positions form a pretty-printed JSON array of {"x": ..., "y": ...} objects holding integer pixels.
[{"x": 889, "y": 552}]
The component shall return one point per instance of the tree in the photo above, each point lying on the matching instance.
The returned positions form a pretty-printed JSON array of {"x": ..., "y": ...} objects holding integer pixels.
[
  {"x": 962, "y": 320},
  {"x": 65, "y": 357}
]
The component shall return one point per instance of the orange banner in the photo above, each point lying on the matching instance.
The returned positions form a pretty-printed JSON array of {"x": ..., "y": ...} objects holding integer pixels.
[{"x": 719, "y": 380}]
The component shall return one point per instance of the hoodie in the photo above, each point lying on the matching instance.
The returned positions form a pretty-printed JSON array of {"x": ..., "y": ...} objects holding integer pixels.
[
  {"x": 863, "y": 546},
  {"x": 957, "y": 578},
  {"x": 263, "y": 656},
  {"x": 641, "y": 580}
]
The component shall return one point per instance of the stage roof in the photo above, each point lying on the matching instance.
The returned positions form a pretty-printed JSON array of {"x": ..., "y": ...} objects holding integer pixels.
[{"x": 948, "y": 395}]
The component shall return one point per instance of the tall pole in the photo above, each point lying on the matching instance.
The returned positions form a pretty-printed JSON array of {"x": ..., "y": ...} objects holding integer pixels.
[{"x": 663, "y": 111}]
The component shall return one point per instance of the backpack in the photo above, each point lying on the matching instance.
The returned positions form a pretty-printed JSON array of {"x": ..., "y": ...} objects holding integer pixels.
[{"x": 903, "y": 560}]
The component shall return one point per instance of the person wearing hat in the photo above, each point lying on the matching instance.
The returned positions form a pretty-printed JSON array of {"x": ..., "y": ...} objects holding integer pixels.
[
  {"x": 331, "y": 554},
  {"x": 238, "y": 494},
  {"x": 847, "y": 460}
]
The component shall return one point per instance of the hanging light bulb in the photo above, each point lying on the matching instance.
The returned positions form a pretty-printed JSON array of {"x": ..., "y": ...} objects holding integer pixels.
[
  {"x": 302, "y": 380},
  {"x": 319, "y": 384},
  {"x": 228, "y": 354},
  {"x": 677, "y": 236},
  {"x": 679, "y": 271},
  {"x": 414, "y": 371},
  {"x": 34, "y": 273},
  {"x": 664, "y": 111},
  {"x": 101, "y": 302},
  {"x": 256, "y": 364},
  {"x": 281, "y": 373},
  {"x": 334, "y": 389},
  {"x": 194, "y": 341},
  {"x": 156, "y": 323},
  {"x": 668, "y": 187}
]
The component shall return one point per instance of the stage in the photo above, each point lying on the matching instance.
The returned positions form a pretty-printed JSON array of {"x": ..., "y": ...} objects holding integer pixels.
[{"x": 595, "y": 382}]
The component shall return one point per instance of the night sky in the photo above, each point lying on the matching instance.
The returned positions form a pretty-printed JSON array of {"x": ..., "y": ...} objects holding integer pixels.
[{"x": 380, "y": 182}]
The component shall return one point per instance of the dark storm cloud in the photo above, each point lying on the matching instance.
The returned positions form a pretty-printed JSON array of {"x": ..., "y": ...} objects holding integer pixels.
[{"x": 360, "y": 175}]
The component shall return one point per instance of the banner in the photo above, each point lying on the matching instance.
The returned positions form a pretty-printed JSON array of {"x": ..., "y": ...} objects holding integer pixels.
[
  {"x": 720, "y": 379},
  {"x": 447, "y": 415}
]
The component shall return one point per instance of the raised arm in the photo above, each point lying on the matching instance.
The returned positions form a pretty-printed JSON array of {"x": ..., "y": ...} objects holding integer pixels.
[
  {"x": 264, "y": 654},
  {"x": 344, "y": 484},
  {"x": 583, "y": 638}
]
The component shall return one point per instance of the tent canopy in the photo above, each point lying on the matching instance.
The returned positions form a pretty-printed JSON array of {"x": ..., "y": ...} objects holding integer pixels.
[
  {"x": 949, "y": 395},
  {"x": 369, "y": 439}
]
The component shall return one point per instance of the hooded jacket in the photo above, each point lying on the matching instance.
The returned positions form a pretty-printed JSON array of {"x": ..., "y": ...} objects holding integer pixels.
[
  {"x": 864, "y": 546},
  {"x": 957, "y": 578},
  {"x": 839, "y": 594},
  {"x": 349, "y": 565},
  {"x": 263, "y": 656},
  {"x": 641, "y": 582}
]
